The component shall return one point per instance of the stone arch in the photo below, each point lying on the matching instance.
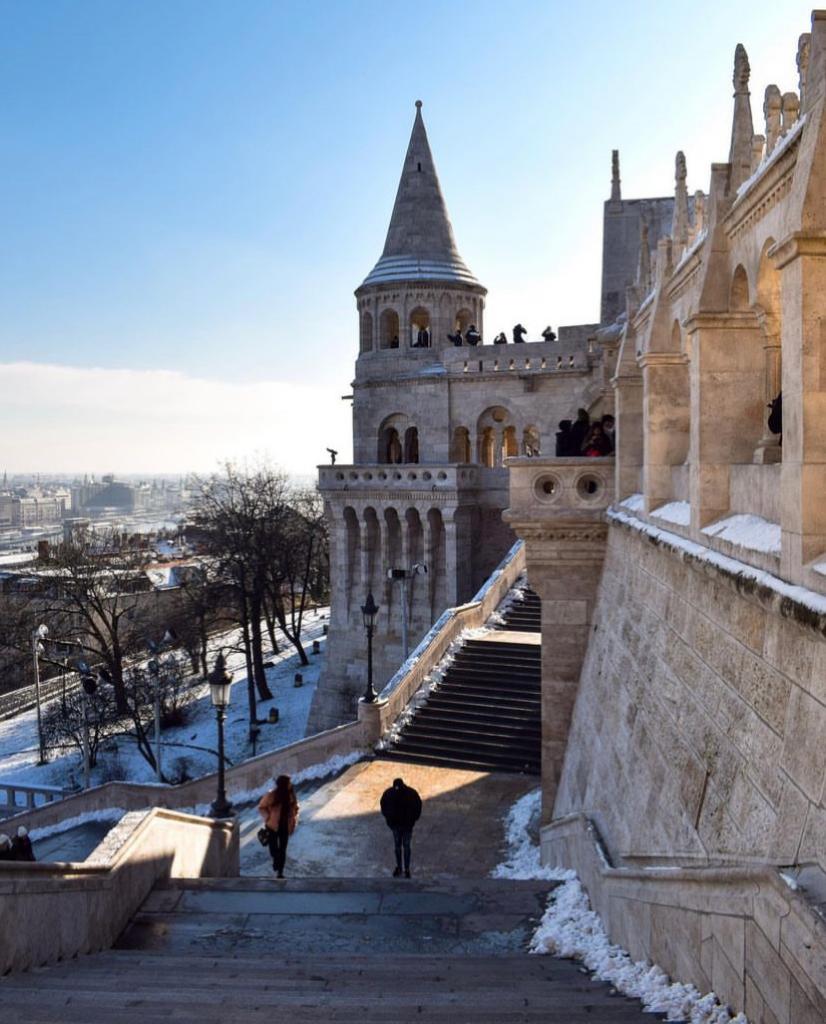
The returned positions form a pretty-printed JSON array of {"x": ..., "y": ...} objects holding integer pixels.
[
  {"x": 391, "y": 439},
  {"x": 495, "y": 434},
  {"x": 739, "y": 291},
  {"x": 464, "y": 318},
  {"x": 366, "y": 332},
  {"x": 530, "y": 441},
  {"x": 352, "y": 548},
  {"x": 389, "y": 329},
  {"x": 460, "y": 446},
  {"x": 769, "y": 312},
  {"x": 411, "y": 445},
  {"x": 420, "y": 327}
]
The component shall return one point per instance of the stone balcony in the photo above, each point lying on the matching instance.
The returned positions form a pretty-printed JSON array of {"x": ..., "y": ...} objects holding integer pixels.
[
  {"x": 404, "y": 477},
  {"x": 545, "y": 489}
]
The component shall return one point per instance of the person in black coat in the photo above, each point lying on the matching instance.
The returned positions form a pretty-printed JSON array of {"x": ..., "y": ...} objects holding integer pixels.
[
  {"x": 402, "y": 807},
  {"x": 563, "y": 439},
  {"x": 579, "y": 431},
  {"x": 472, "y": 336},
  {"x": 519, "y": 333},
  {"x": 6, "y": 850},
  {"x": 21, "y": 846}
]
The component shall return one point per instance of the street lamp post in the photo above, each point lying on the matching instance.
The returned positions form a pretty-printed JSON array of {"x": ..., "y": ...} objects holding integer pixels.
[
  {"x": 369, "y": 610},
  {"x": 154, "y": 670},
  {"x": 38, "y": 636},
  {"x": 220, "y": 685}
]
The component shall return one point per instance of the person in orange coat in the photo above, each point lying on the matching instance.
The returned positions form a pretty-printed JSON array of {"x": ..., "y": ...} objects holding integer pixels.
[{"x": 279, "y": 809}]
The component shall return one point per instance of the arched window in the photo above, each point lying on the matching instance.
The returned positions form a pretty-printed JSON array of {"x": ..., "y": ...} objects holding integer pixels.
[
  {"x": 420, "y": 328},
  {"x": 366, "y": 332},
  {"x": 411, "y": 445},
  {"x": 487, "y": 452},
  {"x": 739, "y": 297},
  {"x": 390, "y": 447},
  {"x": 460, "y": 449},
  {"x": 389, "y": 329},
  {"x": 464, "y": 318},
  {"x": 509, "y": 444},
  {"x": 769, "y": 316},
  {"x": 496, "y": 436}
]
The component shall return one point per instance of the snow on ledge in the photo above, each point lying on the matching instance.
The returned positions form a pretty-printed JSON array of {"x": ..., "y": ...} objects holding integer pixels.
[
  {"x": 781, "y": 147},
  {"x": 634, "y": 502},
  {"x": 677, "y": 512},
  {"x": 800, "y": 595},
  {"x": 747, "y": 531}
]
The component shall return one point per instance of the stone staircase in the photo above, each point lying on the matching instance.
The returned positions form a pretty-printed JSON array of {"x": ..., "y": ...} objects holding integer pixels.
[
  {"x": 324, "y": 950},
  {"x": 524, "y": 616},
  {"x": 484, "y": 715}
]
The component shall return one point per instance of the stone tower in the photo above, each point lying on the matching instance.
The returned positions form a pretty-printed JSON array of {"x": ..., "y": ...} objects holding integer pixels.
[{"x": 432, "y": 424}]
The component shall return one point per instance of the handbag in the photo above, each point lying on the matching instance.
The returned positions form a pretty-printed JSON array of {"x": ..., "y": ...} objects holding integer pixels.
[{"x": 264, "y": 836}]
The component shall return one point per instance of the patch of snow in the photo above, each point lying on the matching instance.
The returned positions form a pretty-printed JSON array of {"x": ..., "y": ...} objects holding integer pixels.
[
  {"x": 104, "y": 814},
  {"x": 695, "y": 245},
  {"x": 570, "y": 929},
  {"x": 801, "y": 595},
  {"x": 780, "y": 147},
  {"x": 820, "y": 568},
  {"x": 437, "y": 370},
  {"x": 792, "y": 883},
  {"x": 747, "y": 531},
  {"x": 677, "y": 512},
  {"x": 634, "y": 502}
]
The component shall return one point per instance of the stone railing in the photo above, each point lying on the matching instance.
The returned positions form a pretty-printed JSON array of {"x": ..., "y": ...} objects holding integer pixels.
[
  {"x": 55, "y": 911},
  {"x": 546, "y": 488},
  {"x": 406, "y": 477},
  {"x": 15, "y": 797},
  {"x": 246, "y": 778},
  {"x": 397, "y": 694},
  {"x": 742, "y": 932},
  {"x": 534, "y": 357}
]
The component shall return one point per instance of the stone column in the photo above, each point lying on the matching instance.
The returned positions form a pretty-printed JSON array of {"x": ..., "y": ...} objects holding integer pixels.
[
  {"x": 451, "y": 558},
  {"x": 628, "y": 438},
  {"x": 768, "y": 447},
  {"x": 727, "y": 406},
  {"x": 665, "y": 417},
  {"x": 802, "y": 261}
]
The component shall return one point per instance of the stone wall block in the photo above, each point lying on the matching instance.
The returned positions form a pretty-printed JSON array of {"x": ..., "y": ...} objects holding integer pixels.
[
  {"x": 804, "y": 748},
  {"x": 770, "y": 977}
]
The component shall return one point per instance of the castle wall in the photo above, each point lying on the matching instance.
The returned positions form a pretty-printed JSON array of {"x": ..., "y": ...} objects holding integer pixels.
[{"x": 698, "y": 727}]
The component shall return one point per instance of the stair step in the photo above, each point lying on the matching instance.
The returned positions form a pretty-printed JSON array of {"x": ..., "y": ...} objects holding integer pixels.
[
  {"x": 484, "y": 752},
  {"x": 454, "y": 761},
  {"x": 486, "y": 727}
]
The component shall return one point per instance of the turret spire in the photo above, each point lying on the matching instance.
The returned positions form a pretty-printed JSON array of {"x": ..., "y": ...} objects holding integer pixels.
[
  {"x": 420, "y": 243},
  {"x": 616, "y": 192},
  {"x": 742, "y": 128}
]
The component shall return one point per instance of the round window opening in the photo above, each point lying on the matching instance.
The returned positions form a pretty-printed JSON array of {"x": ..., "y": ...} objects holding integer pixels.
[
  {"x": 589, "y": 487},
  {"x": 546, "y": 488}
]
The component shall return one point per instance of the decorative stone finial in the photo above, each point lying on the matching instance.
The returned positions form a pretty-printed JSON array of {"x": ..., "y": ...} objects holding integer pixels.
[
  {"x": 742, "y": 71},
  {"x": 790, "y": 108},
  {"x": 804, "y": 47},
  {"x": 616, "y": 193},
  {"x": 418, "y": 104},
  {"x": 679, "y": 222},
  {"x": 772, "y": 106},
  {"x": 758, "y": 142},
  {"x": 742, "y": 128}
]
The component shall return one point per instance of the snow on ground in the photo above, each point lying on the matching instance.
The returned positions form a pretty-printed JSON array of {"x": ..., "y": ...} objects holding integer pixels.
[
  {"x": 677, "y": 512},
  {"x": 634, "y": 502},
  {"x": 569, "y": 928},
  {"x": 188, "y": 748},
  {"x": 747, "y": 531}
]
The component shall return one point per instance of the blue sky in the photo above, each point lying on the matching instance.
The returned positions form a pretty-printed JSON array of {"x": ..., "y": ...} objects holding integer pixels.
[{"x": 192, "y": 189}]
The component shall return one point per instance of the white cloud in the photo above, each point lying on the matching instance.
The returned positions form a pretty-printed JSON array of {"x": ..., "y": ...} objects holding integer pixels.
[{"x": 62, "y": 418}]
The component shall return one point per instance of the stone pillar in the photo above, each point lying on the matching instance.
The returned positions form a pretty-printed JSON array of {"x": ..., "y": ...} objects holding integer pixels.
[
  {"x": 451, "y": 559},
  {"x": 727, "y": 405},
  {"x": 768, "y": 447},
  {"x": 628, "y": 392},
  {"x": 802, "y": 261},
  {"x": 665, "y": 417}
]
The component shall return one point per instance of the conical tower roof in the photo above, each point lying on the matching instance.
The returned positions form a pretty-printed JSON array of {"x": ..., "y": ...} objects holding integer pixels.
[{"x": 420, "y": 245}]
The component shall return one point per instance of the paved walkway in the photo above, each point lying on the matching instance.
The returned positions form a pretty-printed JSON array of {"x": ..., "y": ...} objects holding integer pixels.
[{"x": 341, "y": 833}]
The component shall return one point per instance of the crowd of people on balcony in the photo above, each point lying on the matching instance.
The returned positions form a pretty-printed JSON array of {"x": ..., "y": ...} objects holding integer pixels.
[
  {"x": 583, "y": 437},
  {"x": 473, "y": 337}
]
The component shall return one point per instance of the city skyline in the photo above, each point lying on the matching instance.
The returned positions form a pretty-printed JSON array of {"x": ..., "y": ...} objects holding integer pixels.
[{"x": 191, "y": 204}]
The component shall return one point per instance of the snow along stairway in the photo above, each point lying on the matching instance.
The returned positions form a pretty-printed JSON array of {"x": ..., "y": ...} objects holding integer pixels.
[
  {"x": 485, "y": 714},
  {"x": 308, "y": 950}
]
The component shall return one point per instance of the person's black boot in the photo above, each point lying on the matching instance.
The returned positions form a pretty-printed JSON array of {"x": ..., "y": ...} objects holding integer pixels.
[
  {"x": 407, "y": 873},
  {"x": 397, "y": 872}
]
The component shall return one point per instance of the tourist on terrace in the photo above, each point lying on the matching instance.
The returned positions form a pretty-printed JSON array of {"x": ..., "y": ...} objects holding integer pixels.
[
  {"x": 549, "y": 334},
  {"x": 596, "y": 443},
  {"x": 6, "y": 851},
  {"x": 519, "y": 333},
  {"x": 456, "y": 338},
  {"x": 395, "y": 342},
  {"x": 500, "y": 339},
  {"x": 21, "y": 845},
  {"x": 608, "y": 429},
  {"x": 279, "y": 809},
  {"x": 563, "y": 440},
  {"x": 579, "y": 431},
  {"x": 402, "y": 807},
  {"x": 472, "y": 336}
]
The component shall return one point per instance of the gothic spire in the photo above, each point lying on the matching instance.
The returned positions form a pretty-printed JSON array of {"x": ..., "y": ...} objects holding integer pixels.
[
  {"x": 742, "y": 128},
  {"x": 420, "y": 243}
]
